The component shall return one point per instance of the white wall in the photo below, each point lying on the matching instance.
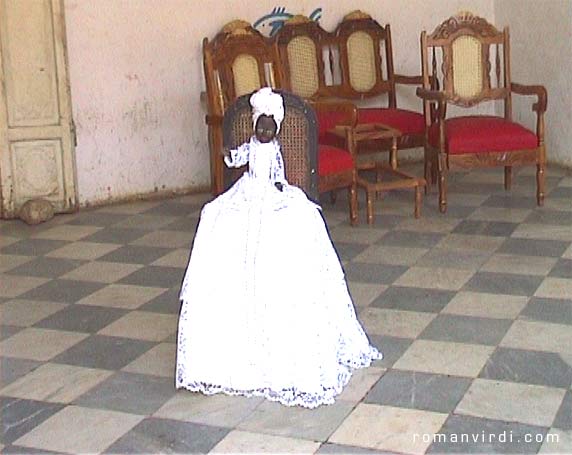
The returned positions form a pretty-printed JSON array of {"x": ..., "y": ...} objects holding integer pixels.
[
  {"x": 136, "y": 77},
  {"x": 541, "y": 53}
]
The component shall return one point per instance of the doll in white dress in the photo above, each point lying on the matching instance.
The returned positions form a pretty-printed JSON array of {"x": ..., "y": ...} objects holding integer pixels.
[{"x": 265, "y": 305}]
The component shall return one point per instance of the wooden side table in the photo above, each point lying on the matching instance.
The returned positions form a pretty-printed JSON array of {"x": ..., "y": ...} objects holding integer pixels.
[{"x": 375, "y": 131}]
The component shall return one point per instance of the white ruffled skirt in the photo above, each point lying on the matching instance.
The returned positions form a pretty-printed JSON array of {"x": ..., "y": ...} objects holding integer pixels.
[{"x": 265, "y": 306}]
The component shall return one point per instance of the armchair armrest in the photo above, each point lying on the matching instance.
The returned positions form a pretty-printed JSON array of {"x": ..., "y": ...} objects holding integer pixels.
[
  {"x": 431, "y": 95},
  {"x": 538, "y": 90},
  {"x": 344, "y": 112},
  {"x": 409, "y": 80}
]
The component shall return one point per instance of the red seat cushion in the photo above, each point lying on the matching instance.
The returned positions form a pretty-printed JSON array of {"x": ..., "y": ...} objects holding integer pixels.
[
  {"x": 327, "y": 121},
  {"x": 477, "y": 134},
  {"x": 408, "y": 122},
  {"x": 332, "y": 160}
]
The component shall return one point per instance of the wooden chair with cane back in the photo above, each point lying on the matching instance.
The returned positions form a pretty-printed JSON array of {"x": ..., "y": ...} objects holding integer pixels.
[
  {"x": 298, "y": 138},
  {"x": 366, "y": 59},
  {"x": 301, "y": 44},
  {"x": 471, "y": 59},
  {"x": 238, "y": 61}
]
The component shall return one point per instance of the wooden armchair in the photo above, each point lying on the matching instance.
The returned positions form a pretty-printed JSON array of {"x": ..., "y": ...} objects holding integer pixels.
[
  {"x": 298, "y": 138},
  {"x": 301, "y": 45},
  {"x": 366, "y": 58},
  {"x": 471, "y": 58},
  {"x": 238, "y": 61}
]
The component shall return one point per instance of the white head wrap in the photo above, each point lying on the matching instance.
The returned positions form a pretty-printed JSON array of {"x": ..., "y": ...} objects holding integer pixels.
[{"x": 267, "y": 102}]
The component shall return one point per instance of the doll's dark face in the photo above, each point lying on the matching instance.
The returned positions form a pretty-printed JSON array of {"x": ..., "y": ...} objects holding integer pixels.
[{"x": 265, "y": 129}]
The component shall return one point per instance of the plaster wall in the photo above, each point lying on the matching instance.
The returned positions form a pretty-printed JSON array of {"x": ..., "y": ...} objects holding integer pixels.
[
  {"x": 541, "y": 53},
  {"x": 136, "y": 77}
]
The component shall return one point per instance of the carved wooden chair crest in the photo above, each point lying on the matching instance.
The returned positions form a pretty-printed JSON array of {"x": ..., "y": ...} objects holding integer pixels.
[
  {"x": 298, "y": 138},
  {"x": 471, "y": 59},
  {"x": 238, "y": 61}
]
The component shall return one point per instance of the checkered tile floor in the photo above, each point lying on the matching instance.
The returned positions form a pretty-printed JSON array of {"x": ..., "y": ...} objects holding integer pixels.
[{"x": 472, "y": 309}]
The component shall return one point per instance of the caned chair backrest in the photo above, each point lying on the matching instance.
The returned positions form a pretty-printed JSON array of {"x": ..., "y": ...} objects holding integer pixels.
[
  {"x": 366, "y": 57},
  {"x": 298, "y": 138},
  {"x": 301, "y": 45},
  {"x": 239, "y": 60},
  {"x": 470, "y": 59}
]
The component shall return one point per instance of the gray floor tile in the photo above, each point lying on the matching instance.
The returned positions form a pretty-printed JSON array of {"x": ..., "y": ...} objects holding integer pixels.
[
  {"x": 458, "y": 259},
  {"x": 410, "y": 239},
  {"x": 430, "y": 392},
  {"x": 563, "y": 418},
  {"x": 172, "y": 208},
  {"x": 453, "y": 210},
  {"x": 493, "y": 228},
  {"x": 12, "y": 369},
  {"x": 187, "y": 224},
  {"x": 558, "y": 311},
  {"x": 413, "y": 299},
  {"x": 534, "y": 247},
  {"x": 19, "y": 416},
  {"x": 564, "y": 192},
  {"x": 135, "y": 254},
  {"x": 510, "y": 201},
  {"x": 490, "y": 435},
  {"x": 104, "y": 352},
  {"x": 46, "y": 267},
  {"x": 33, "y": 247},
  {"x": 383, "y": 220},
  {"x": 81, "y": 318},
  {"x": 161, "y": 277},
  {"x": 503, "y": 283},
  {"x": 346, "y": 450},
  {"x": 562, "y": 269},
  {"x": 26, "y": 450},
  {"x": 168, "y": 436},
  {"x": 129, "y": 392},
  {"x": 347, "y": 251},
  {"x": 529, "y": 367},
  {"x": 115, "y": 235},
  {"x": 66, "y": 291},
  {"x": 476, "y": 187},
  {"x": 392, "y": 348},
  {"x": 6, "y": 331},
  {"x": 373, "y": 273},
  {"x": 168, "y": 302},
  {"x": 546, "y": 216},
  {"x": 97, "y": 218},
  {"x": 466, "y": 329},
  {"x": 17, "y": 228}
]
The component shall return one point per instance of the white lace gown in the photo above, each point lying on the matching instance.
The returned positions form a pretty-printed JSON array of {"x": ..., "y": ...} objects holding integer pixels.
[{"x": 265, "y": 306}]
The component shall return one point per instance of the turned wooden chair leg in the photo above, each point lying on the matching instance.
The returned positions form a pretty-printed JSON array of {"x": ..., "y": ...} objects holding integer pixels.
[
  {"x": 540, "y": 180},
  {"x": 442, "y": 183},
  {"x": 378, "y": 180},
  {"x": 369, "y": 206},
  {"x": 427, "y": 171},
  {"x": 507, "y": 177},
  {"x": 352, "y": 195},
  {"x": 417, "y": 202}
]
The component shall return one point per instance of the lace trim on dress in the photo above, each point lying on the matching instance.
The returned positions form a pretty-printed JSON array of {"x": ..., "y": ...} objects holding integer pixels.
[{"x": 289, "y": 396}]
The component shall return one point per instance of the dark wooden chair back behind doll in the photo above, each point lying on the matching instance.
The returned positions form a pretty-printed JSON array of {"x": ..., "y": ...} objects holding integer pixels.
[{"x": 298, "y": 138}]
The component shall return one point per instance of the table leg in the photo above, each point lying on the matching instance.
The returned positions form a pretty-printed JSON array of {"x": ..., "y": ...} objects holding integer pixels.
[
  {"x": 393, "y": 153},
  {"x": 377, "y": 180},
  {"x": 369, "y": 203},
  {"x": 417, "y": 201}
]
